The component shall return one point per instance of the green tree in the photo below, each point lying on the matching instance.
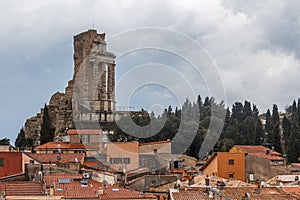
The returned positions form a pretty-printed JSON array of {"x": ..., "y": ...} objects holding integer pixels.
[
  {"x": 276, "y": 130},
  {"x": 5, "y": 141},
  {"x": 293, "y": 151},
  {"x": 286, "y": 125},
  {"x": 269, "y": 127},
  {"x": 237, "y": 111},
  {"x": 47, "y": 129},
  {"x": 21, "y": 140}
]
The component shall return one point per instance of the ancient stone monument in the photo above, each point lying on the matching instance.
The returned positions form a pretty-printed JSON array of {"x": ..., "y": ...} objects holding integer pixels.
[{"x": 89, "y": 98}]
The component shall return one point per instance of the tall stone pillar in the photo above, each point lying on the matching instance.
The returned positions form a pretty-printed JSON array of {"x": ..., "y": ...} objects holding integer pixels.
[{"x": 111, "y": 87}]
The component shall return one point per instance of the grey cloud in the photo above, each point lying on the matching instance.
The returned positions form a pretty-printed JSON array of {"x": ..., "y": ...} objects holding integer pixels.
[{"x": 255, "y": 46}]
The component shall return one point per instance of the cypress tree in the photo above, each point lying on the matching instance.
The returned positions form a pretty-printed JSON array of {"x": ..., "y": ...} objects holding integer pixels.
[
  {"x": 21, "y": 140},
  {"x": 276, "y": 131},
  {"x": 269, "y": 127},
  {"x": 47, "y": 129},
  {"x": 293, "y": 151}
]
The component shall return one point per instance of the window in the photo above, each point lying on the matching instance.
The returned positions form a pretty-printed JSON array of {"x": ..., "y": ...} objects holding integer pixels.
[
  {"x": 115, "y": 160},
  {"x": 1, "y": 162},
  {"x": 230, "y": 162},
  {"x": 119, "y": 160},
  {"x": 126, "y": 161},
  {"x": 84, "y": 138},
  {"x": 155, "y": 151},
  {"x": 230, "y": 175}
]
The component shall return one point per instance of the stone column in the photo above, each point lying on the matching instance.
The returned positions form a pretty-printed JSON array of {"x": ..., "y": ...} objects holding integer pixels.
[{"x": 111, "y": 87}]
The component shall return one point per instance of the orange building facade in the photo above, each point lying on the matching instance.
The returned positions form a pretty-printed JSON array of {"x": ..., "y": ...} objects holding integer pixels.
[
  {"x": 226, "y": 165},
  {"x": 123, "y": 155},
  {"x": 10, "y": 163}
]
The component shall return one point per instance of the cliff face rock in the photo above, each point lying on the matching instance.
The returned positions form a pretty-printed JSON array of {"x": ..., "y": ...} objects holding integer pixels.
[{"x": 93, "y": 70}]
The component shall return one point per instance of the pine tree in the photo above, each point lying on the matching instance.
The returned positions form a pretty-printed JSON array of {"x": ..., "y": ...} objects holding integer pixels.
[{"x": 47, "y": 129}]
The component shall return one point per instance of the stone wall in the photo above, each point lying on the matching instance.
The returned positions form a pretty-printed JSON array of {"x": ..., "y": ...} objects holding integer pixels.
[{"x": 261, "y": 168}]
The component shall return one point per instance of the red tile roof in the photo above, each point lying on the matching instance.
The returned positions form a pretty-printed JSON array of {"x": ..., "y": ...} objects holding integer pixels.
[
  {"x": 292, "y": 189},
  {"x": 52, "y": 157},
  {"x": 83, "y": 131},
  {"x": 274, "y": 158},
  {"x": 295, "y": 164},
  {"x": 189, "y": 195},
  {"x": 73, "y": 189},
  {"x": 265, "y": 193},
  {"x": 63, "y": 145},
  {"x": 252, "y": 149},
  {"x": 99, "y": 166},
  {"x": 114, "y": 192},
  {"x": 159, "y": 142},
  {"x": 67, "y": 145},
  {"x": 21, "y": 188}
]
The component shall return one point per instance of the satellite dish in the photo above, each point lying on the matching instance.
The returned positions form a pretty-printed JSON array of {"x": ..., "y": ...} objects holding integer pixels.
[
  {"x": 248, "y": 195},
  {"x": 281, "y": 185}
]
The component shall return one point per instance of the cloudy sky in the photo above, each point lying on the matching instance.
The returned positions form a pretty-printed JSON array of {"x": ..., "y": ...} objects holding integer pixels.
[{"x": 253, "y": 45}]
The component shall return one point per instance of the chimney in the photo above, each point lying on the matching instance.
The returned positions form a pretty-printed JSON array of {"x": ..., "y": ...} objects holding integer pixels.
[
  {"x": 206, "y": 181},
  {"x": 51, "y": 191},
  {"x": 191, "y": 180},
  {"x": 100, "y": 190}
]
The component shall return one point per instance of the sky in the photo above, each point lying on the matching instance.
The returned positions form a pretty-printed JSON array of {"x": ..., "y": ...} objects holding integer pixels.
[{"x": 253, "y": 46}]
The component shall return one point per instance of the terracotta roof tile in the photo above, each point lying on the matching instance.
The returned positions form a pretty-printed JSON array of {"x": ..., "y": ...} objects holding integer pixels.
[
  {"x": 295, "y": 164},
  {"x": 271, "y": 193},
  {"x": 114, "y": 192},
  {"x": 63, "y": 145},
  {"x": 73, "y": 189},
  {"x": 268, "y": 157},
  {"x": 159, "y": 142},
  {"x": 251, "y": 149},
  {"x": 292, "y": 190},
  {"x": 83, "y": 131},
  {"x": 189, "y": 195},
  {"x": 21, "y": 188},
  {"x": 52, "y": 157}
]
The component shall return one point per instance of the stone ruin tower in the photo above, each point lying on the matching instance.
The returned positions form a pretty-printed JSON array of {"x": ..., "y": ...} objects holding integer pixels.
[
  {"x": 93, "y": 86},
  {"x": 89, "y": 98}
]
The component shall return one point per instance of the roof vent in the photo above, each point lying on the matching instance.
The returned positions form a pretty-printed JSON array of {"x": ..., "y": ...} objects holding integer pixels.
[
  {"x": 86, "y": 175},
  {"x": 84, "y": 183}
]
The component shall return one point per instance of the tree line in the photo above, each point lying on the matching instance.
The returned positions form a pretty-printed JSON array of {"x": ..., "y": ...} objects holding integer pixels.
[
  {"x": 243, "y": 125},
  {"x": 191, "y": 124}
]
